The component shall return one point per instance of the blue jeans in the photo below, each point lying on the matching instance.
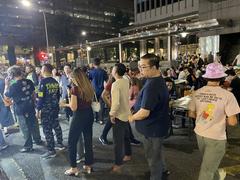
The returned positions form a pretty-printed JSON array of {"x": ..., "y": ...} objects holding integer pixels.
[
  {"x": 30, "y": 129},
  {"x": 2, "y": 141}
]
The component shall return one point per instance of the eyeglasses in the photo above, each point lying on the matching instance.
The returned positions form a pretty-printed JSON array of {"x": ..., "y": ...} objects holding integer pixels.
[{"x": 143, "y": 67}]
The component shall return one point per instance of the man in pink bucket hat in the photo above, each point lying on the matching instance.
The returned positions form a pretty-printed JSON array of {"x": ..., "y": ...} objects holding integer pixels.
[{"x": 213, "y": 108}]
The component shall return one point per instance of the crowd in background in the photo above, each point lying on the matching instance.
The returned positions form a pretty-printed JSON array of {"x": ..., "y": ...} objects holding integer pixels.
[{"x": 137, "y": 93}]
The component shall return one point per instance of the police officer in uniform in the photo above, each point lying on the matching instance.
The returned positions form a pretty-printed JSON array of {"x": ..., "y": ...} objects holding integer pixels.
[{"x": 48, "y": 109}]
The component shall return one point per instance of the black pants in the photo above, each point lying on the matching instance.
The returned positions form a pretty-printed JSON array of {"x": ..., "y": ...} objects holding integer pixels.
[
  {"x": 106, "y": 129},
  {"x": 50, "y": 122},
  {"x": 67, "y": 110},
  {"x": 82, "y": 122},
  {"x": 108, "y": 126},
  {"x": 121, "y": 141}
]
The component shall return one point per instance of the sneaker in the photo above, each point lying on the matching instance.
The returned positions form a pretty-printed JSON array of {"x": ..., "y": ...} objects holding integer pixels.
[
  {"x": 26, "y": 150},
  {"x": 104, "y": 141},
  {"x": 3, "y": 147},
  {"x": 60, "y": 146},
  {"x": 222, "y": 174},
  {"x": 135, "y": 142},
  {"x": 49, "y": 154}
]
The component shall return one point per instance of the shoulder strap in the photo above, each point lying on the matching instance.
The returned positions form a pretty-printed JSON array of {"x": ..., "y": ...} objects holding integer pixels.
[{"x": 95, "y": 97}]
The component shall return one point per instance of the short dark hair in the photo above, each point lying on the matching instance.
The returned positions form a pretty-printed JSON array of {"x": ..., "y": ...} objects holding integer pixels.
[
  {"x": 15, "y": 71},
  {"x": 153, "y": 59},
  {"x": 97, "y": 61},
  {"x": 230, "y": 72},
  {"x": 120, "y": 69},
  {"x": 215, "y": 80},
  {"x": 48, "y": 67},
  {"x": 69, "y": 65},
  {"x": 168, "y": 79}
]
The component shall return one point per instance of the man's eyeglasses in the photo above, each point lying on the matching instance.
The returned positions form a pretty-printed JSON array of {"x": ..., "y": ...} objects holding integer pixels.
[{"x": 143, "y": 67}]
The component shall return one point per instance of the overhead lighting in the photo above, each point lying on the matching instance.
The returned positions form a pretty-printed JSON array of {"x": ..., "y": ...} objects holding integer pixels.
[
  {"x": 84, "y": 33},
  {"x": 184, "y": 34},
  {"x": 26, "y": 3}
]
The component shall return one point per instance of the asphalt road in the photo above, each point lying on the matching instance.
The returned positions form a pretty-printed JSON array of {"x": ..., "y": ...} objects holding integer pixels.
[{"x": 182, "y": 157}]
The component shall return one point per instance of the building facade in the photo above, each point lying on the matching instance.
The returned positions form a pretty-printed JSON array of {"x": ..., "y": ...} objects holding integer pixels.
[
  {"x": 66, "y": 20},
  {"x": 154, "y": 14},
  {"x": 19, "y": 24}
]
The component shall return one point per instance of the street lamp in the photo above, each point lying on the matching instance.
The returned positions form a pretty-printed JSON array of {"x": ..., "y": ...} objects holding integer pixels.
[
  {"x": 28, "y": 4},
  {"x": 89, "y": 48},
  {"x": 88, "y": 53}
]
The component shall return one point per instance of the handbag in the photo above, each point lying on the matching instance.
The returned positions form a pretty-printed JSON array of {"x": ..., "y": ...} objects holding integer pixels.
[{"x": 96, "y": 104}]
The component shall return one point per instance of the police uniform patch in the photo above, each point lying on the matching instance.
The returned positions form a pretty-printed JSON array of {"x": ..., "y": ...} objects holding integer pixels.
[{"x": 40, "y": 94}]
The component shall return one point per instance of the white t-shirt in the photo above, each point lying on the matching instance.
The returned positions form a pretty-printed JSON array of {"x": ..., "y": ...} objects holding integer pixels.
[
  {"x": 212, "y": 105},
  {"x": 182, "y": 75}
]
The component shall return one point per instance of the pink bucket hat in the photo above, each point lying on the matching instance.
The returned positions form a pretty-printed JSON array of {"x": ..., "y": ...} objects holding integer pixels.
[{"x": 214, "y": 71}]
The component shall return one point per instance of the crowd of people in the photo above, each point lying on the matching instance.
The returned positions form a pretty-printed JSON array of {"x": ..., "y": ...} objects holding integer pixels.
[{"x": 139, "y": 93}]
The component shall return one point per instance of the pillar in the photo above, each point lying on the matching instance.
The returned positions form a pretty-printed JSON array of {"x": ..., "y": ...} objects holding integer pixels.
[{"x": 143, "y": 47}]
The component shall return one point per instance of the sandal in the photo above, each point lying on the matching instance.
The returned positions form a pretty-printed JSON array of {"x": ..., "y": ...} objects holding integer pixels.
[
  {"x": 71, "y": 172},
  {"x": 127, "y": 158},
  {"x": 116, "y": 169},
  {"x": 87, "y": 169}
]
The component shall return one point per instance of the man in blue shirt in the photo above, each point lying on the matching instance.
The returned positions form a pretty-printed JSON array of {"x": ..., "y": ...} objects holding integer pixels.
[
  {"x": 48, "y": 105},
  {"x": 151, "y": 117},
  {"x": 64, "y": 84},
  {"x": 21, "y": 92},
  {"x": 98, "y": 76}
]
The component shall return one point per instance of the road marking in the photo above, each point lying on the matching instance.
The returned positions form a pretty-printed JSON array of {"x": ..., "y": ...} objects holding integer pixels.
[
  {"x": 232, "y": 156},
  {"x": 232, "y": 170},
  {"x": 12, "y": 169}
]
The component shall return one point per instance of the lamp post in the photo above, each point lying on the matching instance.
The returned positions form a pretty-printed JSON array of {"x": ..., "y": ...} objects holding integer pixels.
[
  {"x": 88, "y": 48},
  {"x": 28, "y": 4},
  {"x": 46, "y": 31}
]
